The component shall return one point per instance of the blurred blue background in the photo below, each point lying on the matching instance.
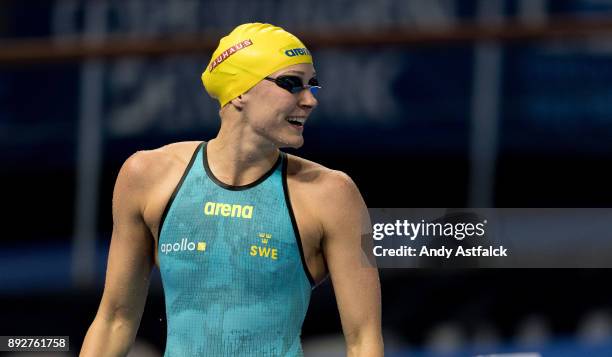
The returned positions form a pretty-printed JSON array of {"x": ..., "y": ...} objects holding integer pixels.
[{"x": 426, "y": 103}]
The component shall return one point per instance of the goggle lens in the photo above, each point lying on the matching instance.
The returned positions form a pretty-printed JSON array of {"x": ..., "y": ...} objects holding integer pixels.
[{"x": 294, "y": 84}]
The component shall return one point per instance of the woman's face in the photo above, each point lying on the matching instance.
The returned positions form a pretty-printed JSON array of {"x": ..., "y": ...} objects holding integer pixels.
[{"x": 277, "y": 114}]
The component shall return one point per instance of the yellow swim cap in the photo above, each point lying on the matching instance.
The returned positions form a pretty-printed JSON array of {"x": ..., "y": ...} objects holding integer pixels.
[{"x": 247, "y": 55}]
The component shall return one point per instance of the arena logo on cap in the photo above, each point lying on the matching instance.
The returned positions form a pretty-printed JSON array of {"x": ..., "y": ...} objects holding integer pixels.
[
  {"x": 227, "y": 53},
  {"x": 297, "y": 52}
]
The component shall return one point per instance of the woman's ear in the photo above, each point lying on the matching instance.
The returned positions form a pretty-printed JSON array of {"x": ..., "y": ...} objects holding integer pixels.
[{"x": 238, "y": 103}]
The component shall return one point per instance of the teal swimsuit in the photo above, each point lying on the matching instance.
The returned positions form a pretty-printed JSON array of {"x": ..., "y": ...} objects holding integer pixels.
[{"x": 232, "y": 266}]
